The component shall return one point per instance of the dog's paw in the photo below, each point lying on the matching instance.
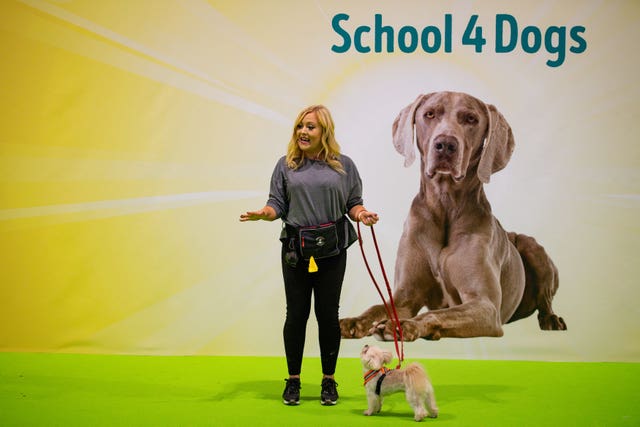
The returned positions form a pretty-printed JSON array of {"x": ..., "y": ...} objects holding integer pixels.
[
  {"x": 383, "y": 330},
  {"x": 372, "y": 411},
  {"x": 353, "y": 327},
  {"x": 551, "y": 322}
]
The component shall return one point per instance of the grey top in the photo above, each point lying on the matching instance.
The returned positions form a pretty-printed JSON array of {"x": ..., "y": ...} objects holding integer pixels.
[{"x": 314, "y": 193}]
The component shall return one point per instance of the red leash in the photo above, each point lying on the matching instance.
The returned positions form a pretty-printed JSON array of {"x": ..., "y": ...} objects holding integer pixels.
[{"x": 392, "y": 314}]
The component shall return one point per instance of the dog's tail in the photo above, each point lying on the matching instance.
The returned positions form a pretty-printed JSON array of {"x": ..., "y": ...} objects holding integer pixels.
[{"x": 416, "y": 376}]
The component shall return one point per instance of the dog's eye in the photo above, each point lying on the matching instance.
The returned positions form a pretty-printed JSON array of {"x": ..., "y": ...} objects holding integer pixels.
[
  {"x": 430, "y": 114},
  {"x": 471, "y": 119}
]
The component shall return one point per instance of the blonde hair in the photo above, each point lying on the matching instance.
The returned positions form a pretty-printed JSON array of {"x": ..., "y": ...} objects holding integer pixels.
[{"x": 330, "y": 151}]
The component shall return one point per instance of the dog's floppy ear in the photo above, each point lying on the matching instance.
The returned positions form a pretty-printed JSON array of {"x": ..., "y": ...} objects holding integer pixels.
[
  {"x": 403, "y": 130},
  {"x": 387, "y": 356},
  {"x": 498, "y": 146}
]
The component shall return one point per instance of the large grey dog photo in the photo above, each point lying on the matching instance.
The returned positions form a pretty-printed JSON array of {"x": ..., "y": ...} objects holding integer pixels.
[{"x": 454, "y": 259}]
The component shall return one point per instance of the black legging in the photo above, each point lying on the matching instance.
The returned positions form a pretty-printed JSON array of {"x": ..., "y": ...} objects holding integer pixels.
[{"x": 326, "y": 285}]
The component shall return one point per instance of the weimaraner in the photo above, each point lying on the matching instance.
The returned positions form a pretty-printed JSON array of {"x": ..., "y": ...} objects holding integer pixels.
[{"x": 454, "y": 258}]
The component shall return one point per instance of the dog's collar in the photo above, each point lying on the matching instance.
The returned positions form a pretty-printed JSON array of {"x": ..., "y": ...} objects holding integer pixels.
[{"x": 371, "y": 374}]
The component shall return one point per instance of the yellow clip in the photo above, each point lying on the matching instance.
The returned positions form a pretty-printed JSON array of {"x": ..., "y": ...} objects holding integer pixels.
[{"x": 313, "y": 267}]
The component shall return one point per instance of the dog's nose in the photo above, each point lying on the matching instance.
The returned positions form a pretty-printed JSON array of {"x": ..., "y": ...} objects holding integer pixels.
[{"x": 446, "y": 145}]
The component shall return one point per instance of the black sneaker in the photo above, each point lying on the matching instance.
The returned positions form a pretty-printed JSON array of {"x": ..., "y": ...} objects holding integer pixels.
[
  {"x": 329, "y": 394},
  {"x": 291, "y": 394}
]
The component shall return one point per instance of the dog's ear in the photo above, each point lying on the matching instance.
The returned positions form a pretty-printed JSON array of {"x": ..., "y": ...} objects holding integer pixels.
[
  {"x": 498, "y": 146},
  {"x": 387, "y": 356},
  {"x": 403, "y": 130}
]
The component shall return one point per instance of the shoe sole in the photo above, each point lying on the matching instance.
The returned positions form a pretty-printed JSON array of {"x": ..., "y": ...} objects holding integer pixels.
[
  {"x": 328, "y": 402},
  {"x": 291, "y": 402}
]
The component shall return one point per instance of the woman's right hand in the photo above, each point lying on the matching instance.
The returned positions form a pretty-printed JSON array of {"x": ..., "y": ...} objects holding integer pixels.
[{"x": 267, "y": 214}]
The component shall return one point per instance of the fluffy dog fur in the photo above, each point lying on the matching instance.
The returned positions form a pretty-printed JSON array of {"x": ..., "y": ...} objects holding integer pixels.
[{"x": 413, "y": 380}]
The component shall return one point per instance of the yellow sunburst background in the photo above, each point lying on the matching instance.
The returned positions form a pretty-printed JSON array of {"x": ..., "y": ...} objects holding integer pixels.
[{"x": 134, "y": 133}]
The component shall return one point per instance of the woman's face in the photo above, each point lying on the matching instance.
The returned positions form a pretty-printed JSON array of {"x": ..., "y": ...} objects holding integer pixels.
[{"x": 309, "y": 135}]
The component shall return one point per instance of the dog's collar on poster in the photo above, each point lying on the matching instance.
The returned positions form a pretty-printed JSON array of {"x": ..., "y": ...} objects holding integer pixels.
[{"x": 371, "y": 374}]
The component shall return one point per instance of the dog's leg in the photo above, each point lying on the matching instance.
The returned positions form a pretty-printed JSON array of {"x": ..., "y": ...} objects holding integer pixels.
[
  {"x": 475, "y": 318},
  {"x": 358, "y": 327},
  {"x": 416, "y": 400},
  {"x": 374, "y": 404},
  {"x": 414, "y": 283},
  {"x": 431, "y": 403},
  {"x": 471, "y": 278},
  {"x": 412, "y": 288},
  {"x": 407, "y": 306},
  {"x": 541, "y": 283}
]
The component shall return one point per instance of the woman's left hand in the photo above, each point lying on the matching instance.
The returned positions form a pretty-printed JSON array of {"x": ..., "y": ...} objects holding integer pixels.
[{"x": 368, "y": 218}]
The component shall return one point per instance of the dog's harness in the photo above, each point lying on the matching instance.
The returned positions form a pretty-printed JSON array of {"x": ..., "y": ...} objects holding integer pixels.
[{"x": 373, "y": 373}]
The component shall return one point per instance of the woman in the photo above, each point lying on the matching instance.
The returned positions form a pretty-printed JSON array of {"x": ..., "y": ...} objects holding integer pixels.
[{"x": 314, "y": 185}]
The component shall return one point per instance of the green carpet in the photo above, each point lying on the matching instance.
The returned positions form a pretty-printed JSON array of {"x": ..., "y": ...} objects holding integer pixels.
[{"x": 108, "y": 390}]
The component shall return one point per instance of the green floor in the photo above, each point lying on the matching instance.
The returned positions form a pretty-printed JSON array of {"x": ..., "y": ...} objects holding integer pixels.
[{"x": 91, "y": 390}]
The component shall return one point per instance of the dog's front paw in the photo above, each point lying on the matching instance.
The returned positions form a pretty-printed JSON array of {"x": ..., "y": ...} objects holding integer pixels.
[
  {"x": 353, "y": 327},
  {"x": 551, "y": 322},
  {"x": 372, "y": 411},
  {"x": 383, "y": 330}
]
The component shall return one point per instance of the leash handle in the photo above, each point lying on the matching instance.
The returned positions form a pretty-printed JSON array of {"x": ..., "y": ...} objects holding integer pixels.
[{"x": 392, "y": 313}]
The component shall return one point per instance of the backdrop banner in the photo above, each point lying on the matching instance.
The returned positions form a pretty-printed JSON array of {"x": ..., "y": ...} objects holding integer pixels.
[{"x": 133, "y": 134}]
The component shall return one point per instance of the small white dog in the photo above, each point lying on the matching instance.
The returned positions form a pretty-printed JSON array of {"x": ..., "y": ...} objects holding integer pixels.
[{"x": 380, "y": 381}]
